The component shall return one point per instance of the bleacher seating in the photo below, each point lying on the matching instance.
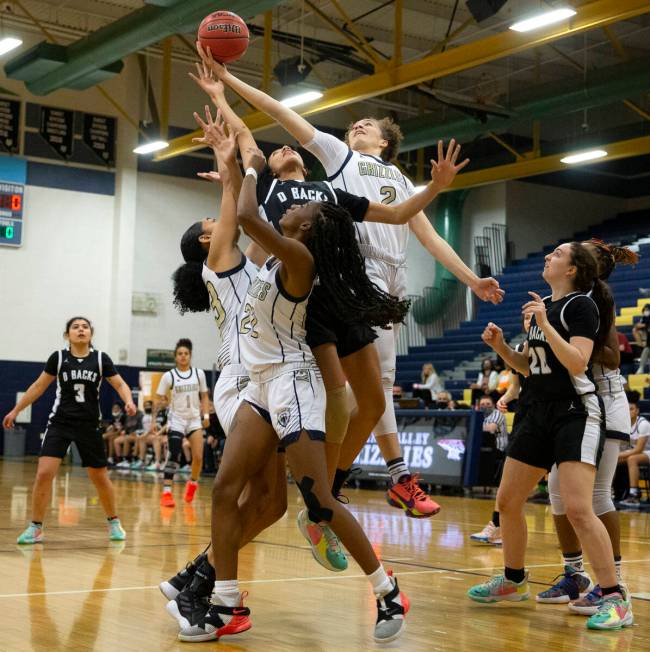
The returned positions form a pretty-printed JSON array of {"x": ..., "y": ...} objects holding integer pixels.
[{"x": 464, "y": 344}]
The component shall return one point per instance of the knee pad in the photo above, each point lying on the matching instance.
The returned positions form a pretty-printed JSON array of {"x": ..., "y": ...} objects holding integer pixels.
[
  {"x": 317, "y": 514},
  {"x": 175, "y": 446},
  {"x": 337, "y": 416},
  {"x": 387, "y": 423},
  {"x": 557, "y": 504},
  {"x": 602, "y": 501}
]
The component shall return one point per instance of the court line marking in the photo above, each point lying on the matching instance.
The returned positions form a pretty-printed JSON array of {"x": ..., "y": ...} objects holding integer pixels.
[{"x": 319, "y": 578}]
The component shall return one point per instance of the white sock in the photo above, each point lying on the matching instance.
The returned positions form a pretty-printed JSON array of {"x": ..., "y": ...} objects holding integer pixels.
[
  {"x": 194, "y": 482},
  {"x": 227, "y": 592},
  {"x": 167, "y": 489},
  {"x": 576, "y": 561},
  {"x": 381, "y": 583},
  {"x": 619, "y": 573}
]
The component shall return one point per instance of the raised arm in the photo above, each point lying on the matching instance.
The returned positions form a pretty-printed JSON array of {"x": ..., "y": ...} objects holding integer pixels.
[
  {"x": 33, "y": 393},
  {"x": 443, "y": 173},
  {"x": 295, "y": 124},
  {"x": 298, "y": 263},
  {"x": 493, "y": 337}
]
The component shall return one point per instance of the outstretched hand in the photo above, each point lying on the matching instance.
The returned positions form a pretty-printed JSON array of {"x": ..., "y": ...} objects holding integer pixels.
[
  {"x": 223, "y": 142},
  {"x": 444, "y": 171},
  {"x": 215, "y": 67},
  {"x": 205, "y": 78},
  {"x": 537, "y": 308},
  {"x": 487, "y": 289}
]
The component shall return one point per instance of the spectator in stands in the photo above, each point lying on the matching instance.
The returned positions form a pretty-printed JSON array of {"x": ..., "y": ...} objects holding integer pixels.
[
  {"x": 156, "y": 436},
  {"x": 430, "y": 386},
  {"x": 494, "y": 422},
  {"x": 444, "y": 401},
  {"x": 486, "y": 381},
  {"x": 641, "y": 331},
  {"x": 125, "y": 443},
  {"x": 627, "y": 354},
  {"x": 113, "y": 429},
  {"x": 639, "y": 454}
]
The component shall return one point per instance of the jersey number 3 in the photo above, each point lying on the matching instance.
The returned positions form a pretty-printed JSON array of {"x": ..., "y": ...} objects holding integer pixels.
[
  {"x": 79, "y": 392},
  {"x": 215, "y": 303},
  {"x": 538, "y": 363}
]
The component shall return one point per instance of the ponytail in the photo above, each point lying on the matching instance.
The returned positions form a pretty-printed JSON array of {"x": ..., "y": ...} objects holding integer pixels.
[
  {"x": 608, "y": 256},
  {"x": 190, "y": 293}
]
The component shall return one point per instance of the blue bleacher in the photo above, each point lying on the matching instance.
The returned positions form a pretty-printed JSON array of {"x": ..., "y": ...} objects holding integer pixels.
[{"x": 518, "y": 278}]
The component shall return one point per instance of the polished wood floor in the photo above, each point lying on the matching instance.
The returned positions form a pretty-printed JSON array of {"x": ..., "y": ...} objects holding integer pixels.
[{"x": 79, "y": 592}]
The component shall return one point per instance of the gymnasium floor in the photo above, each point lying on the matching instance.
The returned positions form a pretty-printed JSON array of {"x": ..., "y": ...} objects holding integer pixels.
[{"x": 80, "y": 592}]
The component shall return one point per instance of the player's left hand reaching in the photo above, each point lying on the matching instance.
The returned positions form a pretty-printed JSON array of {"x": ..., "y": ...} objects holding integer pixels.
[
  {"x": 487, "y": 289},
  {"x": 215, "y": 67},
  {"x": 444, "y": 171}
]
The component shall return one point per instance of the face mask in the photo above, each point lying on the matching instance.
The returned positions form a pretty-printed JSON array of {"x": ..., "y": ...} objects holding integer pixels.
[
  {"x": 148, "y": 410},
  {"x": 646, "y": 313},
  {"x": 487, "y": 411},
  {"x": 441, "y": 405},
  {"x": 116, "y": 414}
]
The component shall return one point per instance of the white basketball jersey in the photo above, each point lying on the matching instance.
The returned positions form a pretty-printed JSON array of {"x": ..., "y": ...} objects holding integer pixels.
[
  {"x": 608, "y": 381},
  {"x": 227, "y": 292},
  {"x": 366, "y": 176},
  {"x": 185, "y": 387},
  {"x": 272, "y": 323}
]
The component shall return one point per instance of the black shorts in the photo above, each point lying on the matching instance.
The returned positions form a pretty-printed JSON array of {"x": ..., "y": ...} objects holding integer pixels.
[
  {"x": 323, "y": 328},
  {"x": 552, "y": 432},
  {"x": 88, "y": 439}
]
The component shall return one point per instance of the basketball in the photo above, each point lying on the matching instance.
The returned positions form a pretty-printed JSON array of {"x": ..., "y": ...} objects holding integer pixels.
[{"x": 225, "y": 34}]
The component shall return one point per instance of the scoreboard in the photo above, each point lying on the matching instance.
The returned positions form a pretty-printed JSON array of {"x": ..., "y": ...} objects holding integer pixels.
[{"x": 11, "y": 213}]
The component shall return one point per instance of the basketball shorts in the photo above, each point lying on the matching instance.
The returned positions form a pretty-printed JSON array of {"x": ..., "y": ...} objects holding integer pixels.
[
  {"x": 88, "y": 440},
  {"x": 323, "y": 328},
  {"x": 617, "y": 416},
  {"x": 228, "y": 394},
  {"x": 291, "y": 398},
  {"x": 185, "y": 426},
  {"x": 552, "y": 432}
]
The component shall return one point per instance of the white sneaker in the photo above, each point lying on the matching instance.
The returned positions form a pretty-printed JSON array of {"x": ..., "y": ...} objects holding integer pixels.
[
  {"x": 124, "y": 464},
  {"x": 138, "y": 464},
  {"x": 489, "y": 532}
]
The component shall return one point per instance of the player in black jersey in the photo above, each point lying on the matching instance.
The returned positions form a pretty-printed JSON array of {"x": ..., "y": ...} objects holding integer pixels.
[
  {"x": 75, "y": 417},
  {"x": 560, "y": 423}
]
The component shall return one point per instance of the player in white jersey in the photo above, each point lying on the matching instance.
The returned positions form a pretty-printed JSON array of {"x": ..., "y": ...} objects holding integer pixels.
[
  {"x": 574, "y": 584},
  {"x": 286, "y": 398},
  {"x": 365, "y": 169},
  {"x": 189, "y": 412},
  {"x": 639, "y": 451}
]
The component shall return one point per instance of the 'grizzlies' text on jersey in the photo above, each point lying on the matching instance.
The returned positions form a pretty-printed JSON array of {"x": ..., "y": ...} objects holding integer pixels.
[
  {"x": 272, "y": 322},
  {"x": 574, "y": 315},
  {"x": 77, "y": 386},
  {"x": 227, "y": 291},
  {"x": 185, "y": 386},
  {"x": 366, "y": 176}
]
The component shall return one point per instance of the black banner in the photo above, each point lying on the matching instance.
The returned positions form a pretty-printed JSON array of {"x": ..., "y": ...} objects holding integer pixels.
[
  {"x": 99, "y": 135},
  {"x": 57, "y": 129},
  {"x": 9, "y": 125}
]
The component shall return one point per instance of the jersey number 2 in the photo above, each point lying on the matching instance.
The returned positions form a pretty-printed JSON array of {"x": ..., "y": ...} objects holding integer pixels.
[
  {"x": 538, "y": 364},
  {"x": 388, "y": 194},
  {"x": 249, "y": 322},
  {"x": 79, "y": 395}
]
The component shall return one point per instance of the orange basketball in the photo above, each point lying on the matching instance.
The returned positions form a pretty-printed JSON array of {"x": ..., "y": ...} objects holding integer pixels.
[{"x": 225, "y": 34}]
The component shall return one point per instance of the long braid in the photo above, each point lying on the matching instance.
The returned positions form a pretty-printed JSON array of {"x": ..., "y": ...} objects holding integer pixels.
[{"x": 341, "y": 271}]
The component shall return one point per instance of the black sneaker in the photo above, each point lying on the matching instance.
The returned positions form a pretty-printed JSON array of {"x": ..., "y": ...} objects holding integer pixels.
[
  {"x": 202, "y": 582},
  {"x": 391, "y": 611},
  {"x": 173, "y": 586},
  {"x": 216, "y": 622}
]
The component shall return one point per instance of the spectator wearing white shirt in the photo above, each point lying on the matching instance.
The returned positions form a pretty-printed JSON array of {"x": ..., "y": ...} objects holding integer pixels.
[
  {"x": 639, "y": 454},
  {"x": 430, "y": 386},
  {"x": 486, "y": 382}
]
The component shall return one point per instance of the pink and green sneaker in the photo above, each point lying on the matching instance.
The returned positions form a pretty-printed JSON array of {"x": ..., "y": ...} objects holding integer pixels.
[
  {"x": 325, "y": 546},
  {"x": 615, "y": 612},
  {"x": 498, "y": 588}
]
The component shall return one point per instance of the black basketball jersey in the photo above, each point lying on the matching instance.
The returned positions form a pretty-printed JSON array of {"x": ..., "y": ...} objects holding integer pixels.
[
  {"x": 274, "y": 197},
  {"x": 575, "y": 315},
  {"x": 77, "y": 386}
]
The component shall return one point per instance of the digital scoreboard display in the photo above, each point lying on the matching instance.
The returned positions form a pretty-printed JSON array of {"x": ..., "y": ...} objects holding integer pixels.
[{"x": 11, "y": 214}]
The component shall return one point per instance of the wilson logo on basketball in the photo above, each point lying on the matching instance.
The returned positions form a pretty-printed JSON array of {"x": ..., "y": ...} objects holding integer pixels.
[{"x": 226, "y": 28}]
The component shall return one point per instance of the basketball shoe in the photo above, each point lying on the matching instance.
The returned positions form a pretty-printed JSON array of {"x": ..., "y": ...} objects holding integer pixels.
[
  {"x": 216, "y": 622},
  {"x": 190, "y": 490},
  {"x": 391, "y": 612},
  {"x": 325, "y": 545},
  {"x": 615, "y": 612},
  {"x": 491, "y": 533},
  {"x": 572, "y": 585},
  {"x": 174, "y": 585},
  {"x": 499, "y": 588},
  {"x": 116, "y": 531},
  {"x": 167, "y": 499},
  {"x": 33, "y": 534},
  {"x": 407, "y": 495},
  {"x": 589, "y": 604}
]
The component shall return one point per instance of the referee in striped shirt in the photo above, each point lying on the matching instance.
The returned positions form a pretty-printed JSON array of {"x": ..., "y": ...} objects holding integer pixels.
[{"x": 494, "y": 422}]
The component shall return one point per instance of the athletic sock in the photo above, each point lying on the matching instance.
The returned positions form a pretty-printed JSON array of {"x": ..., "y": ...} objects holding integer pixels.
[
  {"x": 112, "y": 518},
  {"x": 516, "y": 575},
  {"x": 619, "y": 570},
  {"x": 37, "y": 523},
  {"x": 575, "y": 560},
  {"x": 397, "y": 469},
  {"x": 227, "y": 591},
  {"x": 496, "y": 521},
  {"x": 167, "y": 489},
  {"x": 634, "y": 492},
  {"x": 340, "y": 476},
  {"x": 381, "y": 583},
  {"x": 193, "y": 481},
  {"x": 608, "y": 590}
]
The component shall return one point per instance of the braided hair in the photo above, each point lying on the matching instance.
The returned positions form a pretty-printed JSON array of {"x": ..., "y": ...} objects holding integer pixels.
[
  {"x": 190, "y": 293},
  {"x": 341, "y": 271}
]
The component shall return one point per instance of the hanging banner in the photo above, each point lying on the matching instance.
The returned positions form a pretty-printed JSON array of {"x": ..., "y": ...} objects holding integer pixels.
[
  {"x": 9, "y": 125},
  {"x": 99, "y": 135},
  {"x": 56, "y": 128}
]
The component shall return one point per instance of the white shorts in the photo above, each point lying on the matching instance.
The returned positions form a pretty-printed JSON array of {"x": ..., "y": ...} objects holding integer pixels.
[
  {"x": 617, "y": 415},
  {"x": 183, "y": 425},
  {"x": 229, "y": 393},
  {"x": 291, "y": 398}
]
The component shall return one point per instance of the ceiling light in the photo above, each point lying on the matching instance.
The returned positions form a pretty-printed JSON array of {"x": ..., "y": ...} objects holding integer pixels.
[
  {"x": 153, "y": 146},
  {"x": 8, "y": 43},
  {"x": 581, "y": 157},
  {"x": 301, "y": 98},
  {"x": 542, "y": 20}
]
